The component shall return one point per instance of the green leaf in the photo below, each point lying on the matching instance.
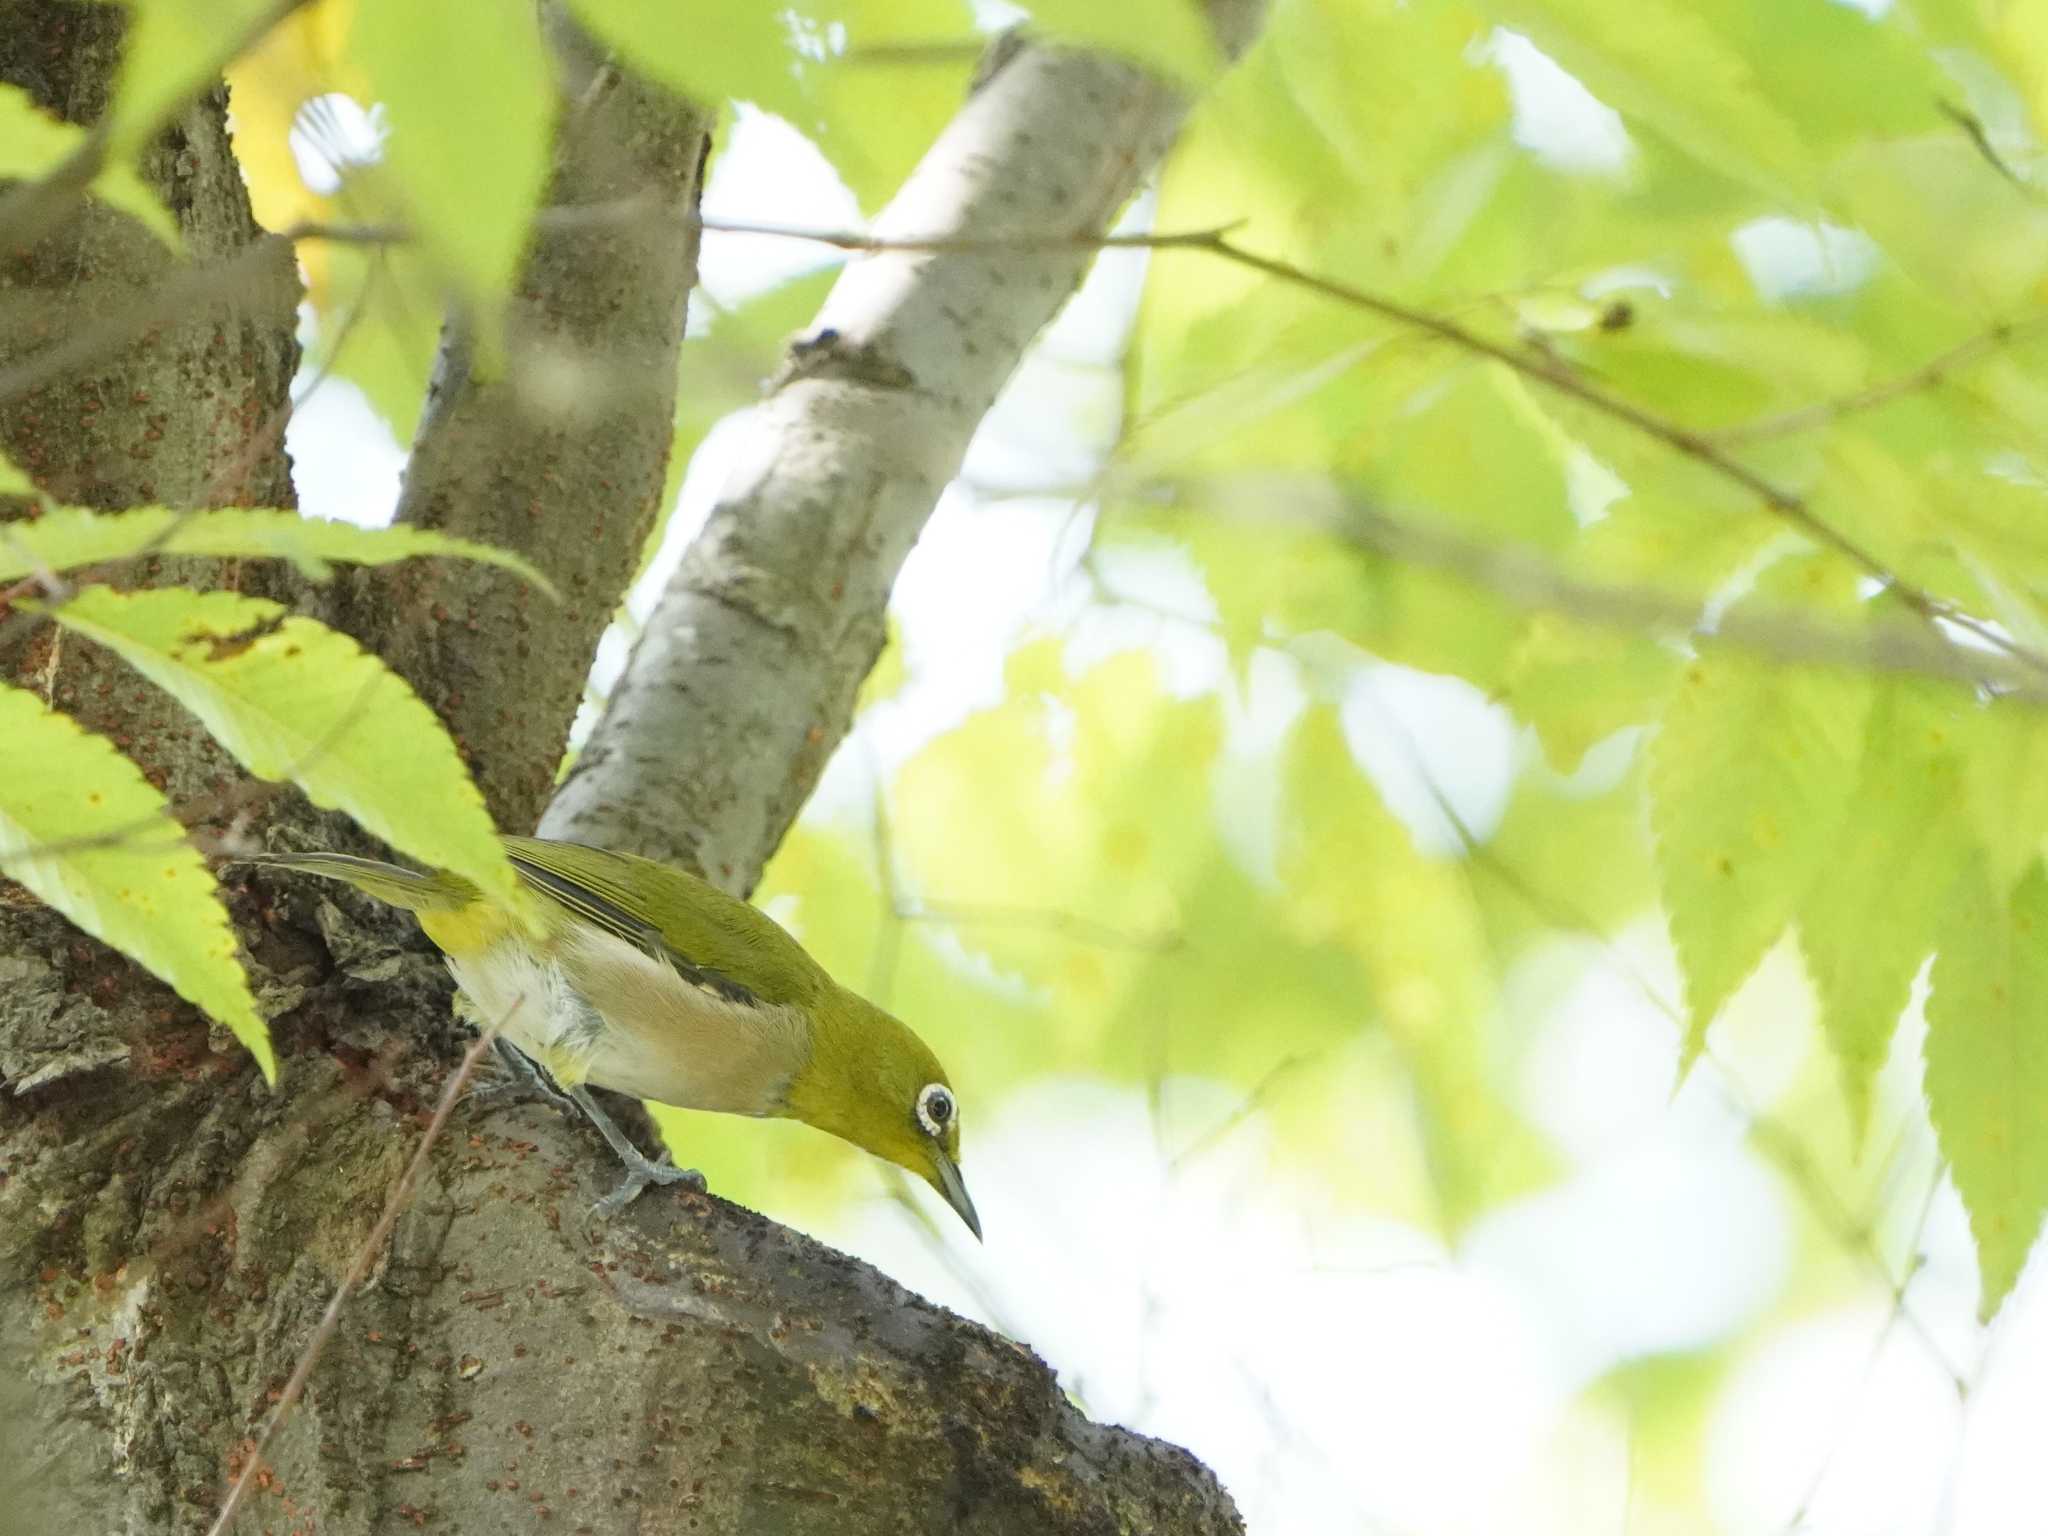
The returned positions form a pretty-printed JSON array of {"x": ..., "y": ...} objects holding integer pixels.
[
  {"x": 1355, "y": 879},
  {"x": 1672, "y": 69},
  {"x": 292, "y": 699},
  {"x": 1904, "y": 841},
  {"x": 709, "y": 50},
  {"x": 880, "y": 103},
  {"x": 2005, "y": 790},
  {"x": 1987, "y": 1067},
  {"x": 1170, "y": 36},
  {"x": 173, "y": 50},
  {"x": 1948, "y": 218},
  {"x": 73, "y": 536},
  {"x": 378, "y": 325},
  {"x": 1578, "y": 684},
  {"x": 33, "y": 143},
  {"x": 1750, "y": 774},
  {"x": 472, "y": 158},
  {"x": 12, "y": 481},
  {"x": 118, "y": 866}
]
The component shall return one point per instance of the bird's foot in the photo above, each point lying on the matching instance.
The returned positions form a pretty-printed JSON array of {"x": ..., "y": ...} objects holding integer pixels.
[{"x": 641, "y": 1172}]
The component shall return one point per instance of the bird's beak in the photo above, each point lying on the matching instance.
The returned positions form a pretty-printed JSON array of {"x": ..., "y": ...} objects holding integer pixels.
[{"x": 948, "y": 1183}]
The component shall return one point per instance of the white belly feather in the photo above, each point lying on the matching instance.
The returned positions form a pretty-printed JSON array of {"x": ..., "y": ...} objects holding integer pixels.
[{"x": 656, "y": 1036}]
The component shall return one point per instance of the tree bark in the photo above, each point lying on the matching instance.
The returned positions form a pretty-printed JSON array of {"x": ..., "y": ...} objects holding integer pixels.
[
  {"x": 170, "y": 1230},
  {"x": 560, "y": 451}
]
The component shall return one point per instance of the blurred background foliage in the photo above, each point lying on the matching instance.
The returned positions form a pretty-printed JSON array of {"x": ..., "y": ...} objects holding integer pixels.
[{"x": 1417, "y": 775}]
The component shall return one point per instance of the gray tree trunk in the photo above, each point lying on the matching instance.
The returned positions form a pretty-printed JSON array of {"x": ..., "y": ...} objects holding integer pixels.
[{"x": 170, "y": 1230}]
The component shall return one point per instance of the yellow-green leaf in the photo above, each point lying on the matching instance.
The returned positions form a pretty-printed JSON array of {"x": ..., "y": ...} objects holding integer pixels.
[
  {"x": 881, "y": 102},
  {"x": 1866, "y": 927},
  {"x": 173, "y": 50},
  {"x": 73, "y": 536},
  {"x": 1987, "y": 1066},
  {"x": 2005, "y": 783},
  {"x": 711, "y": 51},
  {"x": 1578, "y": 684},
  {"x": 1355, "y": 879},
  {"x": 472, "y": 157},
  {"x": 33, "y": 143},
  {"x": 13, "y": 482},
  {"x": 1672, "y": 69},
  {"x": 1170, "y": 36},
  {"x": 1750, "y": 773},
  {"x": 116, "y": 863},
  {"x": 292, "y": 699}
]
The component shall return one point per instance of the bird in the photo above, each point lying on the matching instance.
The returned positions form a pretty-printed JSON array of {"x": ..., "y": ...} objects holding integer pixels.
[{"x": 633, "y": 975}]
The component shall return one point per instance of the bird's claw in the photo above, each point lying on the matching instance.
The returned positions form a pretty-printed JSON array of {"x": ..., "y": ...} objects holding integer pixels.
[{"x": 638, "y": 1177}]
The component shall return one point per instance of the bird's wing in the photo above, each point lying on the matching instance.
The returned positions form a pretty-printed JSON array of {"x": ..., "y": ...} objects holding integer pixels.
[{"x": 581, "y": 895}]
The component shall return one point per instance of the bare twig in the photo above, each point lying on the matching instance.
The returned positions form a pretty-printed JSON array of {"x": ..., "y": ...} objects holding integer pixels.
[
  {"x": 1973, "y": 129},
  {"x": 1707, "y": 449},
  {"x": 1929, "y": 373},
  {"x": 1530, "y": 581}
]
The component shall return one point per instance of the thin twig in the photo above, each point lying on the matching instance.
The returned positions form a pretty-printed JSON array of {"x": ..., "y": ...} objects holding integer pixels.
[
  {"x": 1973, "y": 129},
  {"x": 1531, "y": 582},
  {"x": 358, "y": 1270},
  {"x": 1931, "y": 372},
  {"x": 1542, "y": 368}
]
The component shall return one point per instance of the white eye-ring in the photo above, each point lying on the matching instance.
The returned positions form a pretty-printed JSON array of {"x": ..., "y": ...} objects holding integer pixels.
[{"x": 935, "y": 1109}]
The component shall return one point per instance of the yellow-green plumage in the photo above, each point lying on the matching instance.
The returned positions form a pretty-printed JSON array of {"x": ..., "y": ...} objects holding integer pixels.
[{"x": 638, "y": 977}]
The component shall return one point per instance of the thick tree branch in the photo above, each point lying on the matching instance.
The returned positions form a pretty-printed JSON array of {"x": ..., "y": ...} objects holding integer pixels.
[
  {"x": 744, "y": 678},
  {"x": 560, "y": 453}
]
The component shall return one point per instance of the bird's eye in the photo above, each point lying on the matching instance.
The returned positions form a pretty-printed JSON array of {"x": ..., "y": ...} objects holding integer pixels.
[{"x": 935, "y": 1108}]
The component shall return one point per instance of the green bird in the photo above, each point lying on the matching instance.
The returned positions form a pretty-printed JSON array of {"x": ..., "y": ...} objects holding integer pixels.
[{"x": 633, "y": 976}]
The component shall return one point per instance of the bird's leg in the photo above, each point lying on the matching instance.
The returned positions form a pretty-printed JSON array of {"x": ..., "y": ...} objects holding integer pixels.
[
  {"x": 522, "y": 1074},
  {"x": 641, "y": 1170}
]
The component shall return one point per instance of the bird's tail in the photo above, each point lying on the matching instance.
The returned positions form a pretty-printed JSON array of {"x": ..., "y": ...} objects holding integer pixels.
[{"x": 389, "y": 883}]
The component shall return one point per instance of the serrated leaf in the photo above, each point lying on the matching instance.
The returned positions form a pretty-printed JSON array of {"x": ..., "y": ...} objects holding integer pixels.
[
  {"x": 292, "y": 699},
  {"x": 1750, "y": 772},
  {"x": 1866, "y": 927},
  {"x": 1987, "y": 1067},
  {"x": 118, "y": 866},
  {"x": 1354, "y": 879},
  {"x": 1578, "y": 684},
  {"x": 69, "y": 537},
  {"x": 33, "y": 143},
  {"x": 472, "y": 159},
  {"x": 2005, "y": 790}
]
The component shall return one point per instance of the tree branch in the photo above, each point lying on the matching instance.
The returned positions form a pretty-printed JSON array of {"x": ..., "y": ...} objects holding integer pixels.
[
  {"x": 744, "y": 678},
  {"x": 561, "y": 454}
]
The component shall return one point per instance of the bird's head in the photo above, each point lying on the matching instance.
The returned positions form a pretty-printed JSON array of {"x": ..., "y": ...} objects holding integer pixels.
[{"x": 872, "y": 1082}]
